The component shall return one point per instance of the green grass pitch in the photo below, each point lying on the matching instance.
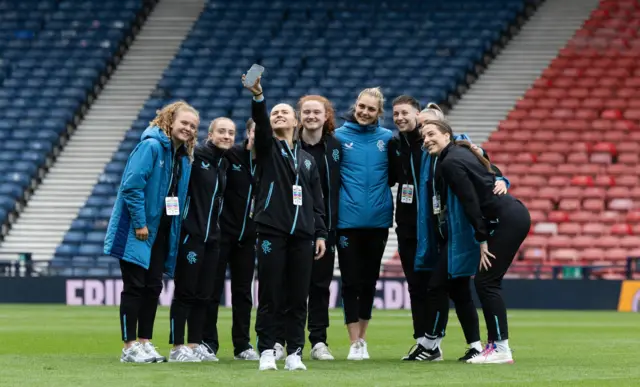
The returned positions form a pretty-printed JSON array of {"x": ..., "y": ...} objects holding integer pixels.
[{"x": 43, "y": 345}]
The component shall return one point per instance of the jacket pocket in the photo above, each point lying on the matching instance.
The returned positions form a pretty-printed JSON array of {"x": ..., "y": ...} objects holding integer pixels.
[{"x": 266, "y": 204}]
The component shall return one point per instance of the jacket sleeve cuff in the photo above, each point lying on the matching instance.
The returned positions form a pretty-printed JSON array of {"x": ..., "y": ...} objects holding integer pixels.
[
  {"x": 139, "y": 224},
  {"x": 321, "y": 235},
  {"x": 259, "y": 98}
]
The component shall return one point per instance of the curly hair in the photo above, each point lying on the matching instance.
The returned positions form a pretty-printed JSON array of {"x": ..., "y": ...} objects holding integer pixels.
[
  {"x": 330, "y": 124},
  {"x": 165, "y": 117}
]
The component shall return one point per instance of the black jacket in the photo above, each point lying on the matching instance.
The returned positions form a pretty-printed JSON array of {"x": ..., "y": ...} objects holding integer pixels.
[
  {"x": 459, "y": 169},
  {"x": 326, "y": 153},
  {"x": 206, "y": 193},
  {"x": 279, "y": 168},
  {"x": 235, "y": 220},
  {"x": 405, "y": 155}
]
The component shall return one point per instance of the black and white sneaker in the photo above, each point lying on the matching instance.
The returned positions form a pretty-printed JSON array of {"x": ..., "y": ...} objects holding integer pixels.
[
  {"x": 420, "y": 353},
  {"x": 470, "y": 354}
]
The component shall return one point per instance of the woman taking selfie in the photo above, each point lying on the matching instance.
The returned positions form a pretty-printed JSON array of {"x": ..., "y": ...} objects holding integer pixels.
[{"x": 289, "y": 216}]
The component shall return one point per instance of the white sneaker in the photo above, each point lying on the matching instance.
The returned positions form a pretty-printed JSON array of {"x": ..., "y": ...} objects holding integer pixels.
[
  {"x": 294, "y": 362},
  {"x": 136, "y": 354},
  {"x": 279, "y": 351},
  {"x": 365, "y": 352},
  {"x": 320, "y": 351},
  {"x": 183, "y": 354},
  {"x": 492, "y": 355},
  {"x": 247, "y": 354},
  {"x": 355, "y": 351},
  {"x": 152, "y": 351},
  {"x": 204, "y": 354},
  {"x": 268, "y": 360}
]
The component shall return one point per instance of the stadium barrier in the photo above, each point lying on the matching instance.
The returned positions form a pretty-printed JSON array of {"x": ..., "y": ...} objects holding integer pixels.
[{"x": 392, "y": 293}]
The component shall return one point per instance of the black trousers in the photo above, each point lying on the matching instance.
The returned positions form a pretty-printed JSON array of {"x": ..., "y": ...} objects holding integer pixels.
[
  {"x": 440, "y": 289},
  {"x": 360, "y": 253},
  {"x": 194, "y": 278},
  {"x": 241, "y": 258},
  {"x": 510, "y": 232},
  {"x": 417, "y": 281},
  {"x": 141, "y": 288},
  {"x": 284, "y": 275},
  {"x": 321, "y": 277}
]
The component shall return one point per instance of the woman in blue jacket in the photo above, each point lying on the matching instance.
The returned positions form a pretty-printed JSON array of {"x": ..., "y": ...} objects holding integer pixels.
[
  {"x": 469, "y": 220},
  {"x": 365, "y": 213},
  {"x": 144, "y": 228}
]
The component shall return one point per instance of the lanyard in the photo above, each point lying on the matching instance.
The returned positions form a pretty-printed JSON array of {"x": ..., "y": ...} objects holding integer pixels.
[
  {"x": 294, "y": 156},
  {"x": 433, "y": 179},
  {"x": 413, "y": 171}
]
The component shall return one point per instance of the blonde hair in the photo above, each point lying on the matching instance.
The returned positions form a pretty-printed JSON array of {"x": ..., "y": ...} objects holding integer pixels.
[
  {"x": 165, "y": 117},
  {"x": 435, "y": 111},
  {"x": 213, "y": 123},
  {"x": 375, "y": 92}
]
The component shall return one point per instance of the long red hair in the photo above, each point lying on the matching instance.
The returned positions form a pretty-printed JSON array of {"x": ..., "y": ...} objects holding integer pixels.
[{"x": 330, "y": 124}]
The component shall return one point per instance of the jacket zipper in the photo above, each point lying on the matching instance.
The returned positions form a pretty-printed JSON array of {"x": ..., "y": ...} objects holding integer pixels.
[
  {"x": 326, "y": 163},
  {"x": 213, "y": 200}
]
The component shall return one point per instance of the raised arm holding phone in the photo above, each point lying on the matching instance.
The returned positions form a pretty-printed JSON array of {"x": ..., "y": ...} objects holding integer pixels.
[{"x": 290, "y": 226}]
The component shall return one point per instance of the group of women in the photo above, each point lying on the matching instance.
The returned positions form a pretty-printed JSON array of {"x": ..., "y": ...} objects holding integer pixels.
[{"x": 295, "y": 191}]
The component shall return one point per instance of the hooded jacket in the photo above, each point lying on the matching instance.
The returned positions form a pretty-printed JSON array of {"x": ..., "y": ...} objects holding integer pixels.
[
  {"x": 279, "y": 169},
  {"x": 365, "y": 196},
  {"x": 236, "y": 221},
  {"x": 140, "y": 202},
  {"x": 206, "y": 194},
  {"x": 463, "y": 251},
  {"x": 326, "y": 153}
]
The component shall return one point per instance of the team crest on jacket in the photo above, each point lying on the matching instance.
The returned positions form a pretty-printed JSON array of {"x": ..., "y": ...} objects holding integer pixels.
[
  {"x": 204, "y": 165},
  {"x": 336, "y": 155},
  {"x": 192, "y": 257},
  {"x": 307, "y": 164},
  {"x": 284, "y": 153},
  {"x": 380, "y": 145},
  {"x": 236, "y": 167}
]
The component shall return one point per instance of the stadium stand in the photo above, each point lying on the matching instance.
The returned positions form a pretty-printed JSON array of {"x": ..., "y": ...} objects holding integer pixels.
[
  {"x": 55, "y": 56},
  {"x": 332, "y": 48},
  {"x": 570, "y": 148}
]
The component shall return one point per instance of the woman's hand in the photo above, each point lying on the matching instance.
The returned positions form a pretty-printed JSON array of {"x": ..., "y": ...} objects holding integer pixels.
[
  {"x": 255, "y": 89},
  {"x": 485, "y": 262},
  {"x": 500, "y": 188},
  {"x": 320, "y": 249}
]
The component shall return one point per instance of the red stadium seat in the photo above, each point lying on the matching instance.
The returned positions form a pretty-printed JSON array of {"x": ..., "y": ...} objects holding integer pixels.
[{"x": 575, "y": 154}]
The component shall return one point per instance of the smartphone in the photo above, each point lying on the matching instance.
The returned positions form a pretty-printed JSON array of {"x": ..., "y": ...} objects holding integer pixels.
[{"x": 253, "y": 74}]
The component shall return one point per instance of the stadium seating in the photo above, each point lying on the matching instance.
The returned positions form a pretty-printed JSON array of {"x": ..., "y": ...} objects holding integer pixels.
[
  {"x": 54, "y": 56},
  {"x": 571, "y": 147},
  {"x": 334, "y": 48}
]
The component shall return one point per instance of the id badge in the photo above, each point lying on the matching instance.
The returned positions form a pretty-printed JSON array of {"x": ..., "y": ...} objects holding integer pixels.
[
  {"x": 407, "y": 194},
  {"x": 251, "y": 207},
  {"x": 297, "y": 195},
  {"x": 436, "y": 204},
  {"x": 172, "y": 206}
]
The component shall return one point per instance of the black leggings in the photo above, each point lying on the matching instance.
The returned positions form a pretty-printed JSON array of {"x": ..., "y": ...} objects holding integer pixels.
[
  {"x": 142, "y": 287},
  {"x": 284, "y": 275},
  {"x": 360, "y": 253},
  {"x": 194, "y": 280},
  {"x": 440, "y": 289},
  {"x": 511, "y": 231}
]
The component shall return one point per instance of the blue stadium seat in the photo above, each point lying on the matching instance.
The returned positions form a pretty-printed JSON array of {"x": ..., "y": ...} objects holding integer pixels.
[{"x": 329, "y": 47}]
